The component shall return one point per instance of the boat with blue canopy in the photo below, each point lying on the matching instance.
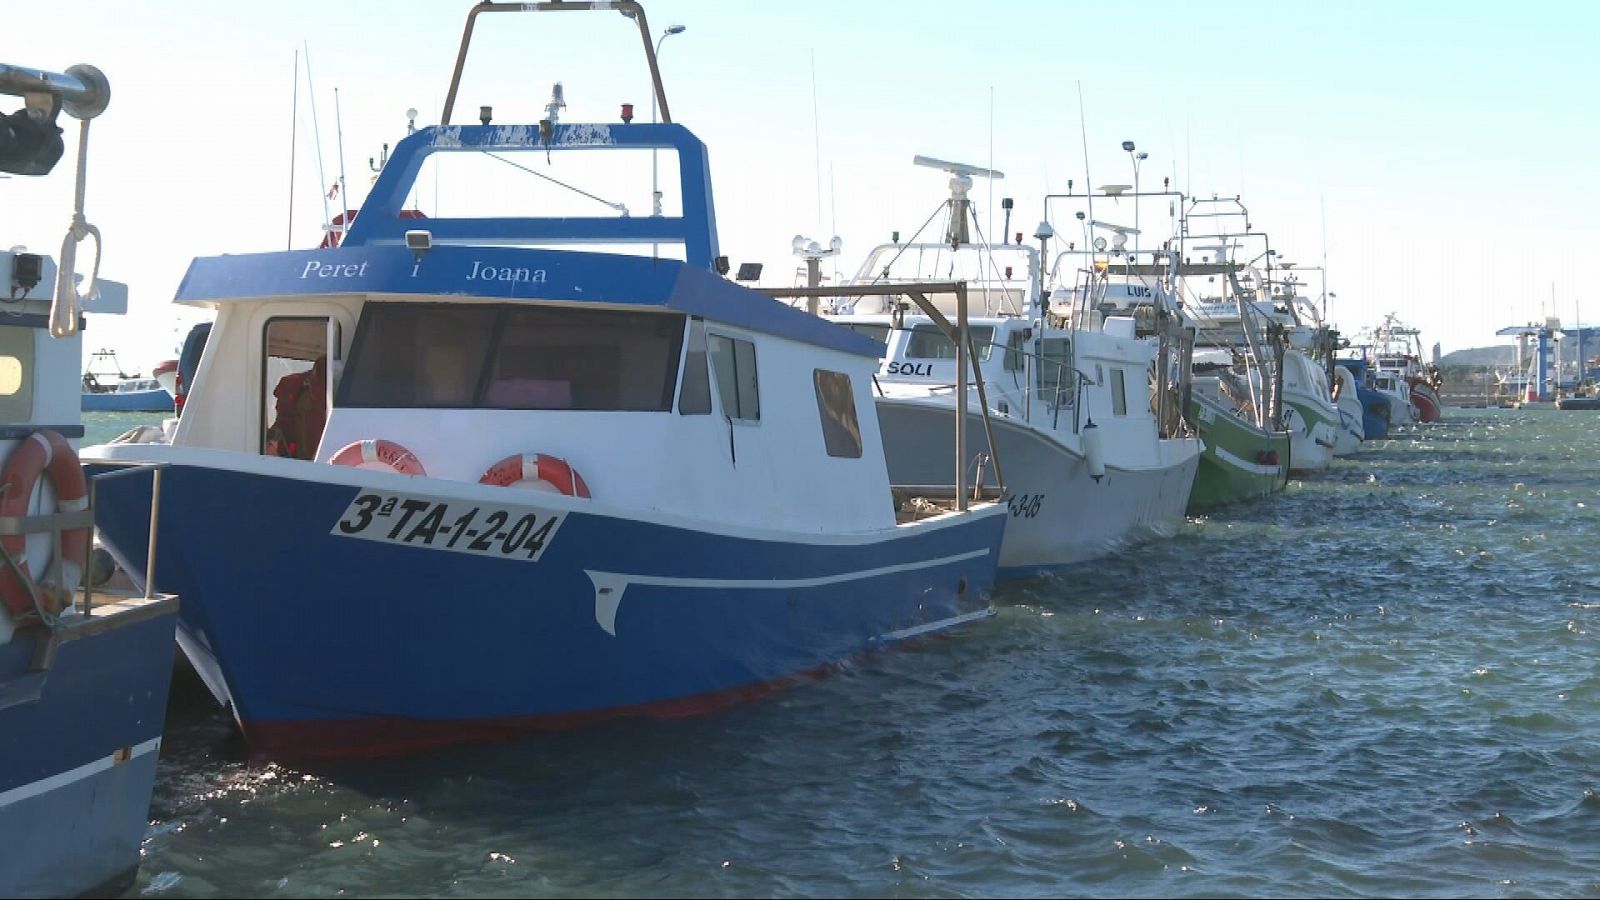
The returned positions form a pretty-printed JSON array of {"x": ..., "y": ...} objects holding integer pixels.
[{"x": 458, "y": 478}]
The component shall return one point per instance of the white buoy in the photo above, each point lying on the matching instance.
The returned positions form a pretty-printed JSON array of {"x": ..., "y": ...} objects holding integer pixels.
[{"x": 1092, "y": 451}]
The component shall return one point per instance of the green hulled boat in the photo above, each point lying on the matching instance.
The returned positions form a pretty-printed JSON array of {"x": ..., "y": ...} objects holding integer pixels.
[{"x": 1240, "y": 460}]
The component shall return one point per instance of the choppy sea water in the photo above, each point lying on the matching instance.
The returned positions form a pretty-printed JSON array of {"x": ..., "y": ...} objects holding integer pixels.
[{"x": 1384, "y": 681}]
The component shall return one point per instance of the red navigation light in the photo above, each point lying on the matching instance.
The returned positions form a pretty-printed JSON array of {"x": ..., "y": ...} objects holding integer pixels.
[
  {"x": 1008, "y": 268},
  {"x": 627, "y": 113},
  {"x": 1019, "y": 237}
]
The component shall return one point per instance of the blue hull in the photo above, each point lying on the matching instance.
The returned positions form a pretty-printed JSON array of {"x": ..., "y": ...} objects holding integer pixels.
[
  {"x": 1374, "y": 413},
  {"x": 329, "y": 640},
  {"x": 128, "y": 401},
  {"x": 78, "y": 747}
]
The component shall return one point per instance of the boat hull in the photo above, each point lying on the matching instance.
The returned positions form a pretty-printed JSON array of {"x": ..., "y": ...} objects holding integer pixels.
[
  {"x": 128, "y": 401},
  {"x": 1426, "y": 402},
  {"x": 79, "y": 741},
  {"x": 373, "y": 616},
  {"x": 1375, "y": 413},
  {"x": 1313, "y": 429},
  {"x": 1240, "y": 461},
  {"x": 1060, "y": 515},
  {"x": 1351, "y": 431}
]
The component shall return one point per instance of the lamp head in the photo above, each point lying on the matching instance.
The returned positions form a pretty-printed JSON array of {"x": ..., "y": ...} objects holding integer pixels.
[{"x": 1128, "y": 146}]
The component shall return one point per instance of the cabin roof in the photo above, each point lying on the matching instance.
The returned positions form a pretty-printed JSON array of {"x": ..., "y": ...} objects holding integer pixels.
[{"x": 509, "y": 274}]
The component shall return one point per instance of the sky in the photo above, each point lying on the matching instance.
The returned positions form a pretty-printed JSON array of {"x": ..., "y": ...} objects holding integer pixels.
[{"x": 1438, "y": 155}]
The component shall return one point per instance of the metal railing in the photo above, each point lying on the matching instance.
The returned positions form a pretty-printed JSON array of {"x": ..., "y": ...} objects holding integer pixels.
[{"x": 55, "y": 523}]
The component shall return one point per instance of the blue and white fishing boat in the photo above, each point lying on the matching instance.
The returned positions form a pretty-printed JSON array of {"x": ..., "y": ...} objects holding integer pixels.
[
  {"x": 117, "y": 391},
  {"x": 83, "y": 675},
  {"x": 504, "y": 487},
  {"x": 1376, "y": 409}
]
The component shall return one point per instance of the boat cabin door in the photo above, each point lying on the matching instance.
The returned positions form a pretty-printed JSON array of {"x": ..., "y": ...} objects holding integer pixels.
[{"x": 301, "y": 359}]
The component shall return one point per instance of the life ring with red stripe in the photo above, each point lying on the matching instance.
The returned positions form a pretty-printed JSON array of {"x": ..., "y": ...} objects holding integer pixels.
[
  {"x": 537, "y": 471},
  {"x": 42, "y": 452},
  {"x": 381, "y": 454}
]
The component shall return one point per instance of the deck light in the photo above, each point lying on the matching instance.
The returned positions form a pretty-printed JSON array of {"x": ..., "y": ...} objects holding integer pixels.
[{"x": 419, "y": 241}]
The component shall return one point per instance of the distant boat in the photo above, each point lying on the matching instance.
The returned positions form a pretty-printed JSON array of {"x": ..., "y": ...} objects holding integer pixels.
[
  {"x": 121, "y": 392},
  {"x": 166, "y": 375}
]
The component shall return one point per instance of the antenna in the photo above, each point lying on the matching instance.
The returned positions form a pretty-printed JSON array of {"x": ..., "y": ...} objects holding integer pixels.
[
  {"x": 344, "y": 188},
  {"x": 990, "y": 194},
  {"x": 816, "y": 133},
  {"x": 1083, "y": 129},
  {"x": 960, "y": 183},
  {"x": 294, "y": 128},
  {"x": 322, "y": 178},
  {"x": 1323, "y": 201}
]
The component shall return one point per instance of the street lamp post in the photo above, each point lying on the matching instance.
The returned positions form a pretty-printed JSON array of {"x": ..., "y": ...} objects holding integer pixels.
[
  {"x": 1140, "y": 157},
  {"x": 655, "y": 191}
]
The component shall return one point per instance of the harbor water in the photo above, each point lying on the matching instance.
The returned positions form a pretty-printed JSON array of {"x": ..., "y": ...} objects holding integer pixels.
[{"x": 1384, "y": 681}]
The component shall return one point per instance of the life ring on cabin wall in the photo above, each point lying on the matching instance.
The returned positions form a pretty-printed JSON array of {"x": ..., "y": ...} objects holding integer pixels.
[
  {"x": 537, "y": 471},
  {"x": 379, "y": 454},
  {"x": 47, "y": 452}
]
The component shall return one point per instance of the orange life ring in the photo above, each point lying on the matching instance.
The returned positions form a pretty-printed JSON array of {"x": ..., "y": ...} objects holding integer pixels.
[
  {"x": 44, "y": 451},
  {"x": 388, "y": 454},
  {"x": 552, "y": 470}
]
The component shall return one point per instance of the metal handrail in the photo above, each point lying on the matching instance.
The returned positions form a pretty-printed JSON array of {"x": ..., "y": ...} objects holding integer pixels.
[
  {"x": 628, "y": 8},
  {"x": 155, "y": 470},
  {"x": 83, "y": 90}
]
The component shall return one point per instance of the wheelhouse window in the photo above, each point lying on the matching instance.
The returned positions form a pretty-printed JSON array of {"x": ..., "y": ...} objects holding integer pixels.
[
  {"x": 1016, "y": 350},
  {"x": 1119, "y": 393},
  {"x": 694, "y": 397},
  {"x": 878, "y": 332},
  {"x": 294, "y": 381},
  {"x": 1057, "y": 381},
  {"x": 734, "y": 361},
  {"x": 929, "y": 342},
  {"x": 836, "y": 404},
  {"x": 502, "y": 356}
]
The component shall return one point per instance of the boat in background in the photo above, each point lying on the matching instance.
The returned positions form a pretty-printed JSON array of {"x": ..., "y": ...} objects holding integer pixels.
[
  {"x": 1236, "y": 397},
  {"x": 1397, "y": 359},
  {"x": 117, "y": 391},
  {"x": 1071, "y": 442},
  {"x": 523, "y": 488},
  {"x": 166, "y": 374},
  {"x": 1376, "y": 405},
  {"x": 84, "y": 674},
  {"x": 1352, "y": 424}
]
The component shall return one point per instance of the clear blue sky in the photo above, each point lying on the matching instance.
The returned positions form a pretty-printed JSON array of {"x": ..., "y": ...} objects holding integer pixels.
[{"x": 1451, "y": 143}]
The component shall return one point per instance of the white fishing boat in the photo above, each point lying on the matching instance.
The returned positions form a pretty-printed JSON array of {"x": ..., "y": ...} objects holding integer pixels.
[{"x": 1077, "y": 453}]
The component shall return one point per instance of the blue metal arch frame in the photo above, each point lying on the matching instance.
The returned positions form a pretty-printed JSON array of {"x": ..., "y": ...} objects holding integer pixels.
[{"x": 696, "y": 229}]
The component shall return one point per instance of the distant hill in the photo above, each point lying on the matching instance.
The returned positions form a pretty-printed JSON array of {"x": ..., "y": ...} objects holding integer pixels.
[{"x": 1481, "y": 356}]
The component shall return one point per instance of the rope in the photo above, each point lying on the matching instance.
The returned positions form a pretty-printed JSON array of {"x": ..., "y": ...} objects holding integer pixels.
[{"x": 68, "y": 300}]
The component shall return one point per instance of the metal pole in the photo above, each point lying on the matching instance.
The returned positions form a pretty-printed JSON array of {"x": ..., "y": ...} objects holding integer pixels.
[
  {"x": 655, "y": 187},
  {"x": 88, "y": 557},
  {"x": 628, "y": 8},
  {"x": 961, "y": 392},
  {"x": 155, "y": 523}
]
